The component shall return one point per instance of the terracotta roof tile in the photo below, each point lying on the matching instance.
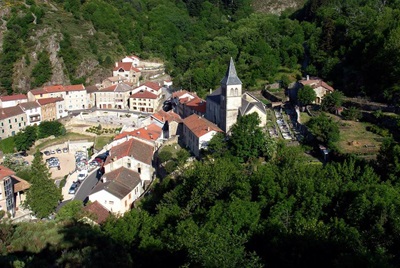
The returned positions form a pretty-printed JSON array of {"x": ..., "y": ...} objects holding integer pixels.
[
  {"x": 98, "y": 211},
  {"x": 55, "y": 88},
  {"x": 38, "y": 91},
  {"x": 108, "y": 89},
  {"x": 316, "y": 82},
  {"x": 152, "y": 85},
  {"x": 199, "y": 126},
  {"x": 151, "y": 133},
  {"x": 143, "y": 94},
  {"x": 5, "y": 172},
  {"x": 10, "y": 112},
  {"x": 139, "y": 150},
  {"x": 197, "y": 104},
  {"x": 49, "y": 100},
  {"x": 20, "y": 184},
  {"x": 74, "y": 87},
  {"x": 169, "y": 116},
  {"x": 126, "y": 66},
  {"x": 179, "y": 93},
  {"x": 13, "y": 97}
]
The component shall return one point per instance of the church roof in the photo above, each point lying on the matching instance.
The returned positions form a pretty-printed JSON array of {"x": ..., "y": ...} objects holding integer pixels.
[
  {"x": 231, "y": 77},
  {"x": 215, "y": 96},
  {"x": 248, "y": 105}
]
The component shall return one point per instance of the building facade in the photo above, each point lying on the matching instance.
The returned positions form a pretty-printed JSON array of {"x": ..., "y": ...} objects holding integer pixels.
[{"x": 12, "y": 121}]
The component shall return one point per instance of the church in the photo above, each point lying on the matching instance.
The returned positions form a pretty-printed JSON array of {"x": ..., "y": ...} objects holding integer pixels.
[{"x": 226, "y": 103}]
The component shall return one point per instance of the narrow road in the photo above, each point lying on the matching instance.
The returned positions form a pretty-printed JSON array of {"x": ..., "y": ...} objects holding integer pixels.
[{"x": 87, "y": 185}]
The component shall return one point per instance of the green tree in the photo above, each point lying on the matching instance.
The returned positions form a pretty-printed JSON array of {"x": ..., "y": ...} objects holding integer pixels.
[
  {"x": 332, "y": 102},
  {"x": 164, "y": 156},
  {"x": 70, "y": 211},
  {"x": 218, "y": 145},
  {"x": 247, "y": 139},
  {"x": 352, "y": 113},
  {"x": 182, "y": 155},
  {"x": 388, "y": 160},
  {"x": 42, "y": 71},
  {"x": 43, "y": 195},
  {"x": 48, "y": 128},
  {"x": 26, "y": 138},
  {"x": 306, "y": 95},
  {"x": 324, "y": 129}
]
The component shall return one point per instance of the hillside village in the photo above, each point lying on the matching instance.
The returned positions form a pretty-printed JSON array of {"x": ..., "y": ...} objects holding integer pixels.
[{"x": 129, "y": 166}]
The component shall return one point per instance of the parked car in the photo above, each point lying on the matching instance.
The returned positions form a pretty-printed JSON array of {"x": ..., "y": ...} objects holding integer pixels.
[
  {"x": 65, "y": 150},
  {"x": 46, "y": 152},
  {"x": 82, "y": 175},
  {"x": 52, "y": 152},
  {"x": 58, "y": 150},
  {"x": 74, "y": 187}
]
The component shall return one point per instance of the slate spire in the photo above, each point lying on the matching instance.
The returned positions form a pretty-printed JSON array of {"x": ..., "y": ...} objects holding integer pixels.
[{"x": 231, "y": 77}]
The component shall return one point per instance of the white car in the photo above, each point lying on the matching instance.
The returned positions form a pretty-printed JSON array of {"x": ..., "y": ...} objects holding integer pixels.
[{"x": 82, "y": 175}]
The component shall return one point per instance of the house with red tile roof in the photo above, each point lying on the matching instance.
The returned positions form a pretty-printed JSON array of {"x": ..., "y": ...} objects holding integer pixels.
[
  {"x": 319, "y": 86},
  {"x": 128, "y": 71},
  {"x": 197, "y": 132},
  {"x": 12, "y": 190},
  {"x": 171, "y": 122},
  {"x": 12, "y": 120},
  {"x": 52, "y": 108},
  {"x": 144, "y": 101},
  {"x": 118, "y": 190},
  {"x": 186, "y": 103},
  {"x": 12, "y": 100},
  {"x": 135, "y": 154},
  {"x": 74, "y": 96},
  {"x": 95, "y": 213},
  {"x": 152, "y": 133},
  {"x": 135, "y": 60}
]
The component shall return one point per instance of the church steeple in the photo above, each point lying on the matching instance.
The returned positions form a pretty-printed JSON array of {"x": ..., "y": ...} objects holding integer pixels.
[{"x": 231, "y": 77}]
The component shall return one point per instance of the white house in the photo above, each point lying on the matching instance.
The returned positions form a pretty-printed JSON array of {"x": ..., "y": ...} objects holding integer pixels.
[
  {"x": 135, "y": 60},
  {"x": 33, "y": 112},
  {"x": 113, "y": 97},
  {"x": 127, "y": 70},
  {"x": 120, "y": 188},
  {"x": 12, "y": 100},
  {"x": 134, "y": 154},
  {"x": 197, "y": 132}
]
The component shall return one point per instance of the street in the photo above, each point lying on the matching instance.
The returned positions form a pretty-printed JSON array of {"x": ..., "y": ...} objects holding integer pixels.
[{"x": 87, "y": 185}]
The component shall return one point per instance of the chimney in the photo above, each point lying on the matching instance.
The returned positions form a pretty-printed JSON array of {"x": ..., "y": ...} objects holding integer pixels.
[
  {"x": 145, "y": 128},
  {"x": 116, "y": 64},
  {"x": 308, "y": 77},
  {"x": 138, "y": 132},
  {"x": 151, "y": 136},
  {"x": 208, "y": 128}
]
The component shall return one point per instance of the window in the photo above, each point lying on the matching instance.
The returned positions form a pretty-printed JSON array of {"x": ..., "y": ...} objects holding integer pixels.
[
  {"x": 10, "y": 126},
  {"x": 19, "y": 124},
  {"x": 139, "y": 170},
  {"x": 15, "y": 120},
  {"x": 9, "y": 121},
  {"x": 111, "y": 202},
  {"x": 22, "y": 119}
]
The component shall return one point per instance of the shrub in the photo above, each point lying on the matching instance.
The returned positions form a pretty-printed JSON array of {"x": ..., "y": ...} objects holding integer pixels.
[
  {"x": 164, "y": 156},
  {"x": 170, "y": 166}
]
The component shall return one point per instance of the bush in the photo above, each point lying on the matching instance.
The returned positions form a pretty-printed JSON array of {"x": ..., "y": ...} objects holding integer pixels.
[
  {"x": 170, "y": 166},
  {"x": 351, "y": 114},
  {"x": 379, "y": 131},
  {"x": 164, "y": 156}
]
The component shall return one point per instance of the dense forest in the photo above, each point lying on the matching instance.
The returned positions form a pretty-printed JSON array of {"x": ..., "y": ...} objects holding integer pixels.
[
  {"x": 250, "y": 202},
  {"x": 351, "y": 44}
]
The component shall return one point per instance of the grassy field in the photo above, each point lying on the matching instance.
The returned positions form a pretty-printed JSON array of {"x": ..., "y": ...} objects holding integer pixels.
[
  {"x": 7, "y": 145},
  {"x": 101, "y": 141},
  {"x": 354, "y": 138}
]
